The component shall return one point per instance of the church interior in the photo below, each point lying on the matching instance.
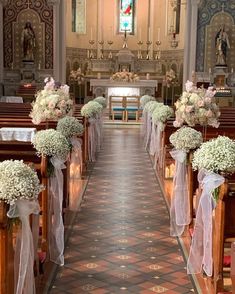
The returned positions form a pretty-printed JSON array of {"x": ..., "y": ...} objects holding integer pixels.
[{"x": 117, "y": 146}]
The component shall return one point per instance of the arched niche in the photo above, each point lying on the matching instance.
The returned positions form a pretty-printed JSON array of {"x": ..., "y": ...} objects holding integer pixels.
[
  {"x": 219, "y": 19},
  {"x": 28, "y": 15}
]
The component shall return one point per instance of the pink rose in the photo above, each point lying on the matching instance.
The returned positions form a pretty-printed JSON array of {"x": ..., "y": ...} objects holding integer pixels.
[
  {"x": 209, "y": 113},
  {"x": 176, "y": 124},
  {"x": 208, "y": 99},
  {"x": 189, "y": 109},
  {"x": 200, "y": 103},
  {"x": 189, "y": 86},
  {"x": 58, "y": 112},
  {"x": 51, "y": 105}
]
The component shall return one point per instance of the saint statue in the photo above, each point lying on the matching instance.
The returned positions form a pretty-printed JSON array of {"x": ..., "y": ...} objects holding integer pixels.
[
  {"x": 221, "y": 43},
  {"x": 28, "y": 42}
]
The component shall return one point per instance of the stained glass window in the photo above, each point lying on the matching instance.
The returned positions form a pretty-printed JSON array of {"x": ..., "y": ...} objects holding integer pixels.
[{"x": 126, "y": 16}]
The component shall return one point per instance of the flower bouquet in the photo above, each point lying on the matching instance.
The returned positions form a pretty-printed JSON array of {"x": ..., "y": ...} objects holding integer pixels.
[
  {"x": 170, "y": 78},
  {"x": 52, "y": 103},
  {"x": 186, "y": 139},
  {"x": 197, "y": 106},
  {"x": 51, "y": 143},
  {"x": 77, "y": 76},
  {"x": 69, "y": 126},
  {"x": 18, "y": 181},
  {"x": 145, "y": 99},
  {"x": 216, "y": 155},
  {"x": 151, "y": 106},
  {"x": 91, "y": 109},
  {"x": 124, "y": 76},
  {"x": 162, "y": 113},
  {"x": 101, "y": 100}
]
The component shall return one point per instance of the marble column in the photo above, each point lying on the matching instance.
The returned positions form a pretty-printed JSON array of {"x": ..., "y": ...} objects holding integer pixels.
[
  {"x": 59, "y": 40},
  {"x": 190, "y": 46}
]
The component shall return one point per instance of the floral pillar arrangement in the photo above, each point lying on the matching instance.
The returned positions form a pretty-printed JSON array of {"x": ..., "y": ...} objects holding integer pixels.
[
  {"x": 159, "y": 117},
  {"x": 197, "y": 106},
  {"x": 55, "y": 146},
  {"x": 19, "y": 187},
  {"x": 71, "y": 128},
  {"x": 52, "y": 103},
  {"x": 212, "y": 159},
  {"x": 184, "y": 140},
  {"x": 92, "y": 110},
  {"x": 144, "y": 100}
]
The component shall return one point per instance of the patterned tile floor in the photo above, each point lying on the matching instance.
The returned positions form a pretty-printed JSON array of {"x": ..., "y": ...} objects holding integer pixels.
[{"x": 120, "y": 240}]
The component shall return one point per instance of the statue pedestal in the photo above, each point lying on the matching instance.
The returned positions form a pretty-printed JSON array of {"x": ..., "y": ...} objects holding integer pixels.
[{"x": 27, "y": 71}]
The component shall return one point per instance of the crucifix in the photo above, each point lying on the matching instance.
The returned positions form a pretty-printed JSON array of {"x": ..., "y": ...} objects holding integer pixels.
[
  {"x": 125, "y": 39},
  {"x": 223, "y": 6}
]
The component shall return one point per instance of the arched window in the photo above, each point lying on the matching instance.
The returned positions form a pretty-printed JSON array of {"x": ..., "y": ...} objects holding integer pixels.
[{"x": 126, "y": 16}]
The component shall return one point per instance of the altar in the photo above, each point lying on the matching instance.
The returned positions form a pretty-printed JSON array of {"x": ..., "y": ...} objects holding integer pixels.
[{"x": 107, "y": 88}]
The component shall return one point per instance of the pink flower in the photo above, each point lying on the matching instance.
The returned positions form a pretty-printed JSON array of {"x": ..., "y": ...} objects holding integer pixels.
[
  {"x": 210, "y": 92},
  {"x": 176, "y": 124},
  {"x": 58, "y": 112},
  {"x": 65, "y": 89},
  {"x": 189, "y": 108},
  {"x": 200, "y": 103},
  {"x": 209, "y": 113},
  {"x": 62, "y": 103},
  {"x": 189, "y": 86},
  {"x": 208, "y": 99},
  {"x": 51, "y": 105}
]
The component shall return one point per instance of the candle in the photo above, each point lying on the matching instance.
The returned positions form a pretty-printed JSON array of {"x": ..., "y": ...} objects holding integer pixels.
[
  {"x": 209, "y": 70},
  {"x": 232, "y": 70},
  {"x": 149, "y": 35},
  {"x": 158, "y": 34},
  {"x": 91, "y": 33}
]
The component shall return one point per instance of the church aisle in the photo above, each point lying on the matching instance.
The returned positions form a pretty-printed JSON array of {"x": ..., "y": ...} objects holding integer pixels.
[{"x": 120, "y": 240}]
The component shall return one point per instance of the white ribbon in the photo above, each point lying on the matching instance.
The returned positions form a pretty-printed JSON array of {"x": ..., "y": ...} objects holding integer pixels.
[
  {"x": 75, "y": 173},
  {"x": 25, "y": 251},
  {"x": 144, "y": 123},
  {"x": 200, "y": 256},
  {"x": 180, "y": 206},
  {"x": 148, "y": 130},
  {"x": 56, "y": 234},
  {"x": 98, "y": 133},
  {"x": 91, "y": 139},
  {"x": 158, "y": 144},
  {"x": 152, "y": 148}
]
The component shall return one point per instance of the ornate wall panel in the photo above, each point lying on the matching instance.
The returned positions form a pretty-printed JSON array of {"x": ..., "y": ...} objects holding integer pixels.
[
  {"x": 207, "y": 10},
  {"x": 15, "y": 15}
]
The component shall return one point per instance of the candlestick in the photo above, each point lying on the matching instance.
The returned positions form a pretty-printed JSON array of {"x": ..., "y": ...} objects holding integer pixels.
[{"x": 140, "y": 34}]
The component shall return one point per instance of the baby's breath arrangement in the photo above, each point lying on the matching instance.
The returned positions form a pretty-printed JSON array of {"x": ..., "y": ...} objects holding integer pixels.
[
  {"x": 70, "y": 126},
  {"x": 151, "y": 106},
  {"x": 101, "y": 100},
  {"x": 18, "y": 181},
  {"x": 216, "y": 155},
  {"x": 162, "y": 113},
  {"x": 145, "y": 99},
  {"x": 51, "y": 143},
  {"x": 186, "y": 139},
  {"x": 91, "y": 109}
]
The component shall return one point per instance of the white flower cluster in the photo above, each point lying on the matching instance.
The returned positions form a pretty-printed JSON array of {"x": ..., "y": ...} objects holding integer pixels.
[
  {"x": 125, "y": 76},
  {"x": 150, "y": 106},
  {"x": 51, "y": 143},
  {"x": 91, "y": 109},
  {"x": 197, "y": 106},
  {"x": 52, "y": 103},
  {"x": 101, "y": 100},
  {"x": 145, "y": 99},
  {"x": 70, "y": 126},
  {"x": 162, "y": 113},
  {"x": 217, "y": 155},
  {"x": 77, "y": 76},
  {"x": 18, "y": 181},
  {"x": 186, "y": 139}
]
